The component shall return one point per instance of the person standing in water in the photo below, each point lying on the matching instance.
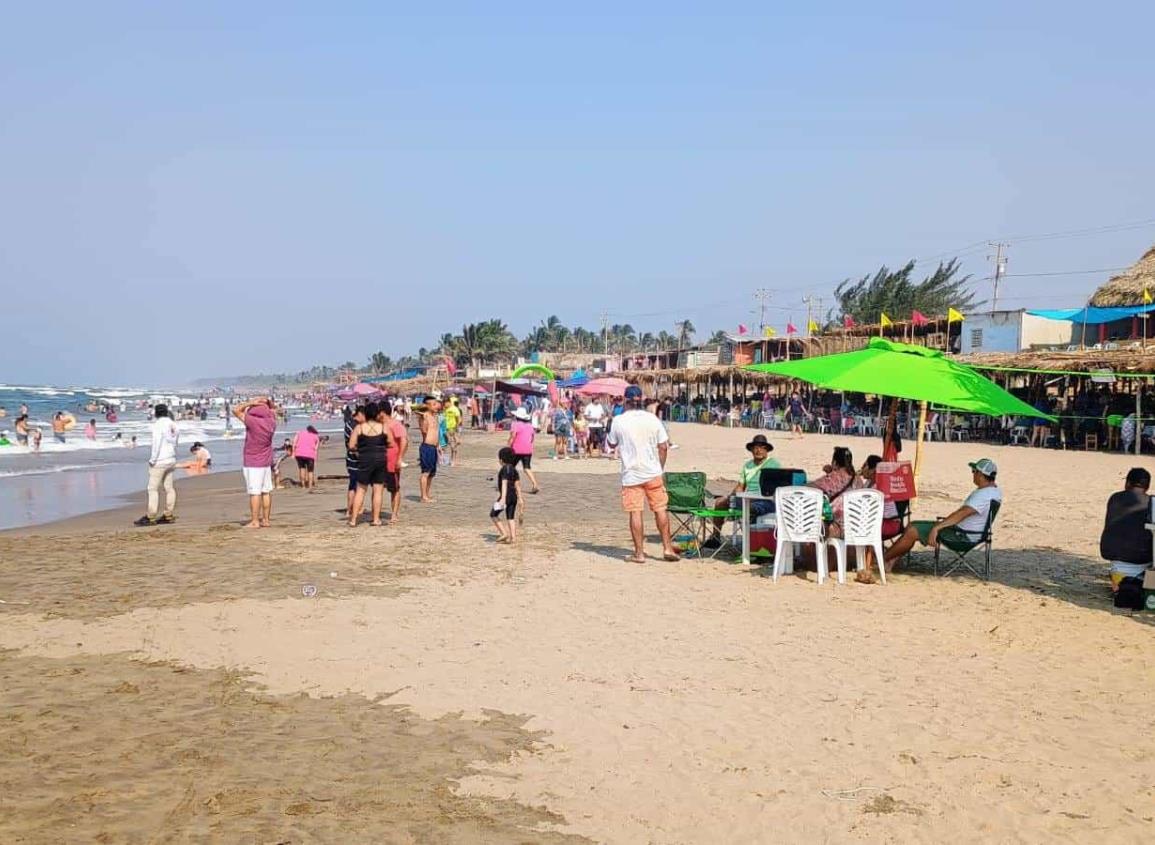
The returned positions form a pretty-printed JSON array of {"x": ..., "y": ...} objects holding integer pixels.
[
  {"x": 430, "y": 437},
  {"x": 90, "y": 430},
  {"x": 305, "y": 446}
]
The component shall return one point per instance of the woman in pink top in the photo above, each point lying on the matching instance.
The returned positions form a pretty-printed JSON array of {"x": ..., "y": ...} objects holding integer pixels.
[
  {"x": 521, "y": 434},
  {"x": 305, "y": 446}
]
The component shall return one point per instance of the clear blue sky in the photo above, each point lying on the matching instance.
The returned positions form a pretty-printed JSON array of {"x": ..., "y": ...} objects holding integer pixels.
[{"x": 212, "y": 188}]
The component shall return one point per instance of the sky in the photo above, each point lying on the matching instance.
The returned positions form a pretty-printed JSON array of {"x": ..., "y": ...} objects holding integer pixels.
[{"x": 194, "y": 190}]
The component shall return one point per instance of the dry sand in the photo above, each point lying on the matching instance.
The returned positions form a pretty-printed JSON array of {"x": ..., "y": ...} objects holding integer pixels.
[{"x": 173, "y": 684}]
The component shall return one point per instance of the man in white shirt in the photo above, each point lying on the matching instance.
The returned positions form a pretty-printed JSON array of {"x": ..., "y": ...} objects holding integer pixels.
[
  {"x": 965, "y": 525},
  {"x": 642, "y": 445},
  {"x": 595, "y": 416},
  {"x": 161, "y": 469}
]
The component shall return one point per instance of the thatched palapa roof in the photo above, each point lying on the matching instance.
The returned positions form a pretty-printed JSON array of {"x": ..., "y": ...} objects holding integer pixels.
[{"x": 1127, "y": 287}]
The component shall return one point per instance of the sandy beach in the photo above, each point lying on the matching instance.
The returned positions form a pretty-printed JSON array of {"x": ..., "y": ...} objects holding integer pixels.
[{"x": 175, "y": 685}]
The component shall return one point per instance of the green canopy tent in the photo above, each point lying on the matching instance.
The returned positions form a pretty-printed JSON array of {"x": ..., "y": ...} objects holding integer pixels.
[{"x": 887, "y": 368}]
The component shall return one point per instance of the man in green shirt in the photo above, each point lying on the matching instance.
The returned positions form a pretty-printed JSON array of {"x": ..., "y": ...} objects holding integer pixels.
[{"x": 759, "y": 448}]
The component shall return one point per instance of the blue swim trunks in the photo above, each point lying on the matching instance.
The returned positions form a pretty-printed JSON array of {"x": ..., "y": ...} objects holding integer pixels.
[{"x": 428, "y": 460}]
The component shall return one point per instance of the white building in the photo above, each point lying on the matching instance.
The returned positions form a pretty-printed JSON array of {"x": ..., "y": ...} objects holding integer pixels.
[{"x": 1013, "y": 331}]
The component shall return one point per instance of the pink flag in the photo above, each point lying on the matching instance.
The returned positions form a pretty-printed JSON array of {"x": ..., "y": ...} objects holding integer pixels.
[
  {"x": 742, "y": 329},
  {"x": 848, "y": 321},
  {"x": 918, "y": 318},
  {"x": 790, "y": 329}
]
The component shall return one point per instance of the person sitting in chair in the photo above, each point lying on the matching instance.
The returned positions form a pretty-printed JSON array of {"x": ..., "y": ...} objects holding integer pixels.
[
  {"x": 1126, "y": 542},
  {"x": 759, "y": 448},
  {"x": 966, "y": 524}
]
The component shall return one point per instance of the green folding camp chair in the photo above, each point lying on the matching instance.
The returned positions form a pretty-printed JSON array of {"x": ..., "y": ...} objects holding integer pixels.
[
  {"x": 961, "y": 545},
  {"x": 687, "y": 493}
]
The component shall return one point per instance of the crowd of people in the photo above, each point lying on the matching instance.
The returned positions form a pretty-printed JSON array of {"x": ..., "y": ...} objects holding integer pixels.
[{"x": 377, "y": 441}]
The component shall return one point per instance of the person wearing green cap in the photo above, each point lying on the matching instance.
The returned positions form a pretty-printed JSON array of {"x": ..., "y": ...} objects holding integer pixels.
[{"x": 966, "y": 524}]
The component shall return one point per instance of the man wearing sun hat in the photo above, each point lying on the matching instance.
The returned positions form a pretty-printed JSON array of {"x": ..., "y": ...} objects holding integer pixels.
[
  {"x": 966, "y": 524},
  {"x": 759, "y": 448},
  {"x": 642, "y": 445}
]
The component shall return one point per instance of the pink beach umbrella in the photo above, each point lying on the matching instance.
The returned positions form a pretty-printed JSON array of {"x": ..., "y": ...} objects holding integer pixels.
[
  {"x": 363, "y": 389},
  {"x": 609, "y": 386}
]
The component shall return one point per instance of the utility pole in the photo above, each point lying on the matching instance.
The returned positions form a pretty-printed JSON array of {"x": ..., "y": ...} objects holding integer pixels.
[
  {"x": 605, "y": 333},
  {"x": 762, "y": 296},
  {"x": 1000, "y": 271}
]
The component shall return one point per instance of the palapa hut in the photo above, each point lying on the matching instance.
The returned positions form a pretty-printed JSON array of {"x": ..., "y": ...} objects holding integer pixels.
[{"x": 1127, "y": 287}]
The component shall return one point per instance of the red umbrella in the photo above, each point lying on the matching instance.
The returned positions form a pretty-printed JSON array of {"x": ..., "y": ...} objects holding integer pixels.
[
  {"x": 609, "y": 386},
  {"x": 363, "y": 389}
]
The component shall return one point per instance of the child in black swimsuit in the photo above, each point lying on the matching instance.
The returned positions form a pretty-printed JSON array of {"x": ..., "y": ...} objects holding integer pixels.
[{"x": 508, "y": 496}]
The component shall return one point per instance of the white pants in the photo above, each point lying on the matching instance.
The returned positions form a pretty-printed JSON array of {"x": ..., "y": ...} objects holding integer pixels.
[{"x": 161, "y": 476}]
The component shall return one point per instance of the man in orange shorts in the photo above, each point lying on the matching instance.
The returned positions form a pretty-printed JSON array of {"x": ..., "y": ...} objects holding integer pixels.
[{"x": 642, "y": 445}]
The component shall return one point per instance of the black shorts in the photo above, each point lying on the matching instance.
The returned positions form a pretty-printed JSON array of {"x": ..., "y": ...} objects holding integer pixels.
[
  {"x": 393, "y": 481},
  {"x": 524, "y": 460},
  {"x": 373, "y": 474},
  {"x": 510, "y": 510},
  {"x": 597, "y": 435},
  {"x": 306, "y": 463}
]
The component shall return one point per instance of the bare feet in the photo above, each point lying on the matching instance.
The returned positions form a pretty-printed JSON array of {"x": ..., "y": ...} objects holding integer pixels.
[
  {"x": 427, "y": 501},
  {"x": 636, "y": 559},
  {"x": 864, "y": 576},
  {"x": 266, "y": 524},
  {"x": 252, "y": 525}
]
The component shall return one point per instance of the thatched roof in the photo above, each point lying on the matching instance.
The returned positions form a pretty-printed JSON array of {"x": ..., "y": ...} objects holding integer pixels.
[
  {"x": 1120, "y": 361},
  {"x": 1127, "y": 287}
]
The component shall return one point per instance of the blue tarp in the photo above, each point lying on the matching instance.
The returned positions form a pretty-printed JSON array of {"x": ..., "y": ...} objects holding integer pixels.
[
  {"x": 578, "y": 379},
  {"x": 401, "y": 376},
  {"x": 1093, "y": 315}
]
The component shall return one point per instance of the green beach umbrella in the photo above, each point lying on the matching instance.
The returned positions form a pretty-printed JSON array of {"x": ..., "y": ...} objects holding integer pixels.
[{"x": 886, "y": 368}]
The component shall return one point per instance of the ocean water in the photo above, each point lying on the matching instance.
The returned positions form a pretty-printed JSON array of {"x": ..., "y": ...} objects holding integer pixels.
[{"x": 80, "y": 475}]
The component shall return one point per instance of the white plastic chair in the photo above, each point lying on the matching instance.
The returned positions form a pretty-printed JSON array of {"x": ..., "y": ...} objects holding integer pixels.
[
  {"x": 862, "y": 513},
  {"x": 798, "y": 516}
]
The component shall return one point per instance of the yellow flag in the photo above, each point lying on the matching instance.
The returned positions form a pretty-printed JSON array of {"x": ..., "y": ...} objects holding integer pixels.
[
  {"x": 886, "y": 321},
  {"x": 952, "y": 316},
  {"x": 1147, "y": 299},
  {"x": 813, "y": 327},
  {"x": 769, "y": 331}
]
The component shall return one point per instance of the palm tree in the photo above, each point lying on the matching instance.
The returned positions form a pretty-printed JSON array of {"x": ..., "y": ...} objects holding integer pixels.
[
  {"x": 717, "y": 338},
  {"x": 647, "y": 341},
  {"x": 380, "y": 362},
  {"x": 685, "y": 333},
  {"x": 665, "y": 340}
]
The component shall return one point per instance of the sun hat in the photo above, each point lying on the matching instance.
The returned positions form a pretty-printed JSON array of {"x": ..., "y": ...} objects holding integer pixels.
[
  {"x": 633, "y": 392},
  {"x": 984, "y": 465},
  {"x": 521, "y": 414},
  {"x": 759, "y": 440}
]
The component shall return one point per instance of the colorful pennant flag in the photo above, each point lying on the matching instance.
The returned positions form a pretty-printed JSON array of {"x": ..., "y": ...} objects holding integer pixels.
[
  {"x": 742, "y": 329},
  {"x": 812, "y": 327},
  {"x": 1147, "y": 298},
  {"x": 848, "y": 321},
  {"x": 953, "y": 316},
  {"x": 790, "y": 329},
  {"x": 768, "y": 331},
  {"x": 918, "y": 318},
  {"x": 885, "y": 321}
]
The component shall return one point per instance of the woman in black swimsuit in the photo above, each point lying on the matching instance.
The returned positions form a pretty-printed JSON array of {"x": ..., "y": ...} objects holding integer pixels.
[{"x": 370, "y": 440}]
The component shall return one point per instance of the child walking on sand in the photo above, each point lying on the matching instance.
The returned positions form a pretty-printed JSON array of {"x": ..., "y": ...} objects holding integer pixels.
[{"x": 508, "y": 496}]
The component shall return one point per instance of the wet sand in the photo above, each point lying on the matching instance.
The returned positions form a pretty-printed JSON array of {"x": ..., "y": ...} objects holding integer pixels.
[{"x": 439, "y": 688}]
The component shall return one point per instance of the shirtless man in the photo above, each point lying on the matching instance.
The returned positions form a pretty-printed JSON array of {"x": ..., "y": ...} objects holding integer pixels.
[{"x": 430, "y": 432}]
